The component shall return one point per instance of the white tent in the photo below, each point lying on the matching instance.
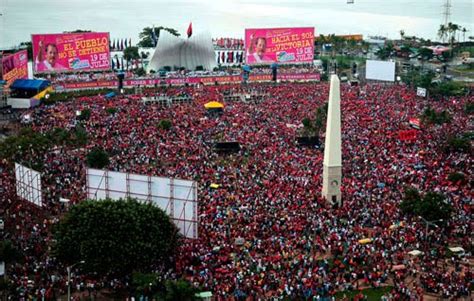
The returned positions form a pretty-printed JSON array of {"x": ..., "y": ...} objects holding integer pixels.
[
  {"x": 456, "y": 249},
  {"x": 415, "y": 253},
  {"x": 189, "y": 53}
]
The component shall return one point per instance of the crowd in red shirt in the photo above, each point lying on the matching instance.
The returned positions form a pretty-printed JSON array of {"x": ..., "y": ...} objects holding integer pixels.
[{"x": 295, "y": 244}]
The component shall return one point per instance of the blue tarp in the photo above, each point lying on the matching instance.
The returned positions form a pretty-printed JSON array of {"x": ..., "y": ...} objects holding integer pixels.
[
  {"x": 110, "y": 95},
  {"x": 30, "y": 84}
]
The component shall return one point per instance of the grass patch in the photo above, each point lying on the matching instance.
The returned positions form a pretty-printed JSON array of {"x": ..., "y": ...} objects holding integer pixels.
[{"x": 373, "y": 294}]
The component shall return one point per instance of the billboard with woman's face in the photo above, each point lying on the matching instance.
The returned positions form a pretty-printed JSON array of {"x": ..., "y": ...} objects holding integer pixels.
[
  {"x": 279, "y": 45},
  {"x": 70, "y": 52}
]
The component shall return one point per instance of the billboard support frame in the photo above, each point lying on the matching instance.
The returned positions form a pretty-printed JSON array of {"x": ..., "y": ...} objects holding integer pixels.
[
  {"x": 178, "y": 198},
  {"x": 28, "y": 186}
]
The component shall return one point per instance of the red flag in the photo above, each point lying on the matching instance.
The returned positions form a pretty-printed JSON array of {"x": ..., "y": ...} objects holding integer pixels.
[
  {"x": 407, "y": 135},
  {"x": 190, "y": 29}
]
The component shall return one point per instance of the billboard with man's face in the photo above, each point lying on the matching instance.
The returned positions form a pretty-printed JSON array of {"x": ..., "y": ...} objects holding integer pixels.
[
  {"x": 71, "y": 52},
  {"x": 15, "y": 66},
  {"x": 279, "y": 45}
]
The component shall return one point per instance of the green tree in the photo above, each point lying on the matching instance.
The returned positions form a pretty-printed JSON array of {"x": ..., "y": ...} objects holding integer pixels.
[
  {"x": 415, "y": 78},
  {"x": 80, "y": 137},
  {"x": 85, "y": 114},
  {"x": 115, "y": 238},
  {"x": 146, "y": 39},
  {"x": 111, "y": 111},
  {"x": 8, "y": 253},
  {"x": 59, "y": 136},
  {"x": 442, "y": 32},
  {"x": 164, "y": 124},
  {"x": 140, "y": 72},
  {"x": 131, "y": 54},
  {"x": 402, "y": 34},
  {"x": 97, "y": 158},
  {"x": 410, "y": 200},
  {"x": 306, "y": 123},
  {"x": 469, "y": 108},
  {"x": 457, "y": 177},
  {"x": 147, "y": 282},
  {"x": 321, "y": 117},
  {"x": 405, "y": 50},
  {"x": 449, "y": 88},
  {"x": 464, "y": 30},
  {"x": 385, "y": 52},
  {"x": 433, "y": 206},
  {"x": 24, "y": 146},
  {"x": 179, "y": 290},
  {"x": 430, "y": 116},
  {"x": 425, "y": 54},
  {"x": 321, "y": 41},
  {"x": 461, "y": 144},
  {"x": 452, "y": 29},
  {"x": 29, "y": 48}
]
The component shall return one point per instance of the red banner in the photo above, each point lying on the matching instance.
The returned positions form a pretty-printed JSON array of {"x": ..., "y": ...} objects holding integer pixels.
[
  {"x": 414, "y": 122},
  {"x": 233, "y": 79},
  {"x": 408, "y": 135},
  {"x": 15, "y": 66}
]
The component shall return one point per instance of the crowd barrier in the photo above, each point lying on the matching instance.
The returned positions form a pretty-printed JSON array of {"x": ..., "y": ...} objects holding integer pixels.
[{"x": 182, "y": 81}]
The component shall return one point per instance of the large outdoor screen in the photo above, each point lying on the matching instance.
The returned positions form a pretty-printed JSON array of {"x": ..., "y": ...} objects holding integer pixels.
[
  {"x": 71, "y": 52},
  {"x": 380, "y": 70},
  {"x": 15, "y": 66},
  {"x": 279, "y": 45}
]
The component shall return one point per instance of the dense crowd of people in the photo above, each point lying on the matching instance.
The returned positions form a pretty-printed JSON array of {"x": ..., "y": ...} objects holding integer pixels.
[{"x": 294, "y": 244}]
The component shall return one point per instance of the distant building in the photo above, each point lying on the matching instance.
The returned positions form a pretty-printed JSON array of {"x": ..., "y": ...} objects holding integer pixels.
[{"x": 357, "y": 37}]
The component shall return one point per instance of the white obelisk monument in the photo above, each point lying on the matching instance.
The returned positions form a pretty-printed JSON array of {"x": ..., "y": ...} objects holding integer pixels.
[{"x": 332, "y": 164}]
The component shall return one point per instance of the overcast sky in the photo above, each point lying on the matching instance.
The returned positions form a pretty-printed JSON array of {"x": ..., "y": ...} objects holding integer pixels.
[{"x": 227, "y": 18}]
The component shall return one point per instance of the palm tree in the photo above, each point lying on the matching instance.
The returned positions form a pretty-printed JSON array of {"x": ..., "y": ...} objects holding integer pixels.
[
  {"x": 402, "y": 34},
  {"x": 464, "y": 30},
  {"x": 452, "y": 28},
  {"x": 322, "y": 40},
  {"x": 442, "y": 31}
]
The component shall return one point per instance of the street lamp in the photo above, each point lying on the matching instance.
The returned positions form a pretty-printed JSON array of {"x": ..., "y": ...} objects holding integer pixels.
[
  {"x": 69, "y": 268},
  {"x": 432, "y": 223}
]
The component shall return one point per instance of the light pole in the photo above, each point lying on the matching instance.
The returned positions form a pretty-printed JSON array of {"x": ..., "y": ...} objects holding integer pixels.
[
  {"x": 432, "y": 223},
  {"x": 69, "y": 268}
]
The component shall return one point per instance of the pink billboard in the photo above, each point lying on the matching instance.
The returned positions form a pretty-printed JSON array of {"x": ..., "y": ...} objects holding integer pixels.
[
  {"x": 15, "y": 66},
  {"x": 71, "y": 52},
  {"x": 279, "y": 45}
]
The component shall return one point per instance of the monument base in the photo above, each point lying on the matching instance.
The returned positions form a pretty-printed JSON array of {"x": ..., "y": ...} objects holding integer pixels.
[{"x": 332, "y": 184}]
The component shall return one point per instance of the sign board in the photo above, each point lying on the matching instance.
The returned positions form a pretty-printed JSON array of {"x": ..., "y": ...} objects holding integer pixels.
[
  {"x": 178, "y": 198},
  {"x": 279, "y": 45},
  {"x": 380, "y": 70},
  {"x": 421, "y": 92}
]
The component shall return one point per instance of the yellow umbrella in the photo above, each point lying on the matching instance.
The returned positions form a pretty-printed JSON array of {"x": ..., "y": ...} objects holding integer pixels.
[
  {"x": 396, "y": 225},
  {"x": 365, "y": 241},
  {"x": 214, "y": 105}
]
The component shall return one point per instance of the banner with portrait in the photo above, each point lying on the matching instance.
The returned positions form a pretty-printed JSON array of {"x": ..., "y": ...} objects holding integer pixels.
[
  {"x": 279, "y": 45},
  {"x": 15, "y": 66},
  {"x": 71, "y": 52}
]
